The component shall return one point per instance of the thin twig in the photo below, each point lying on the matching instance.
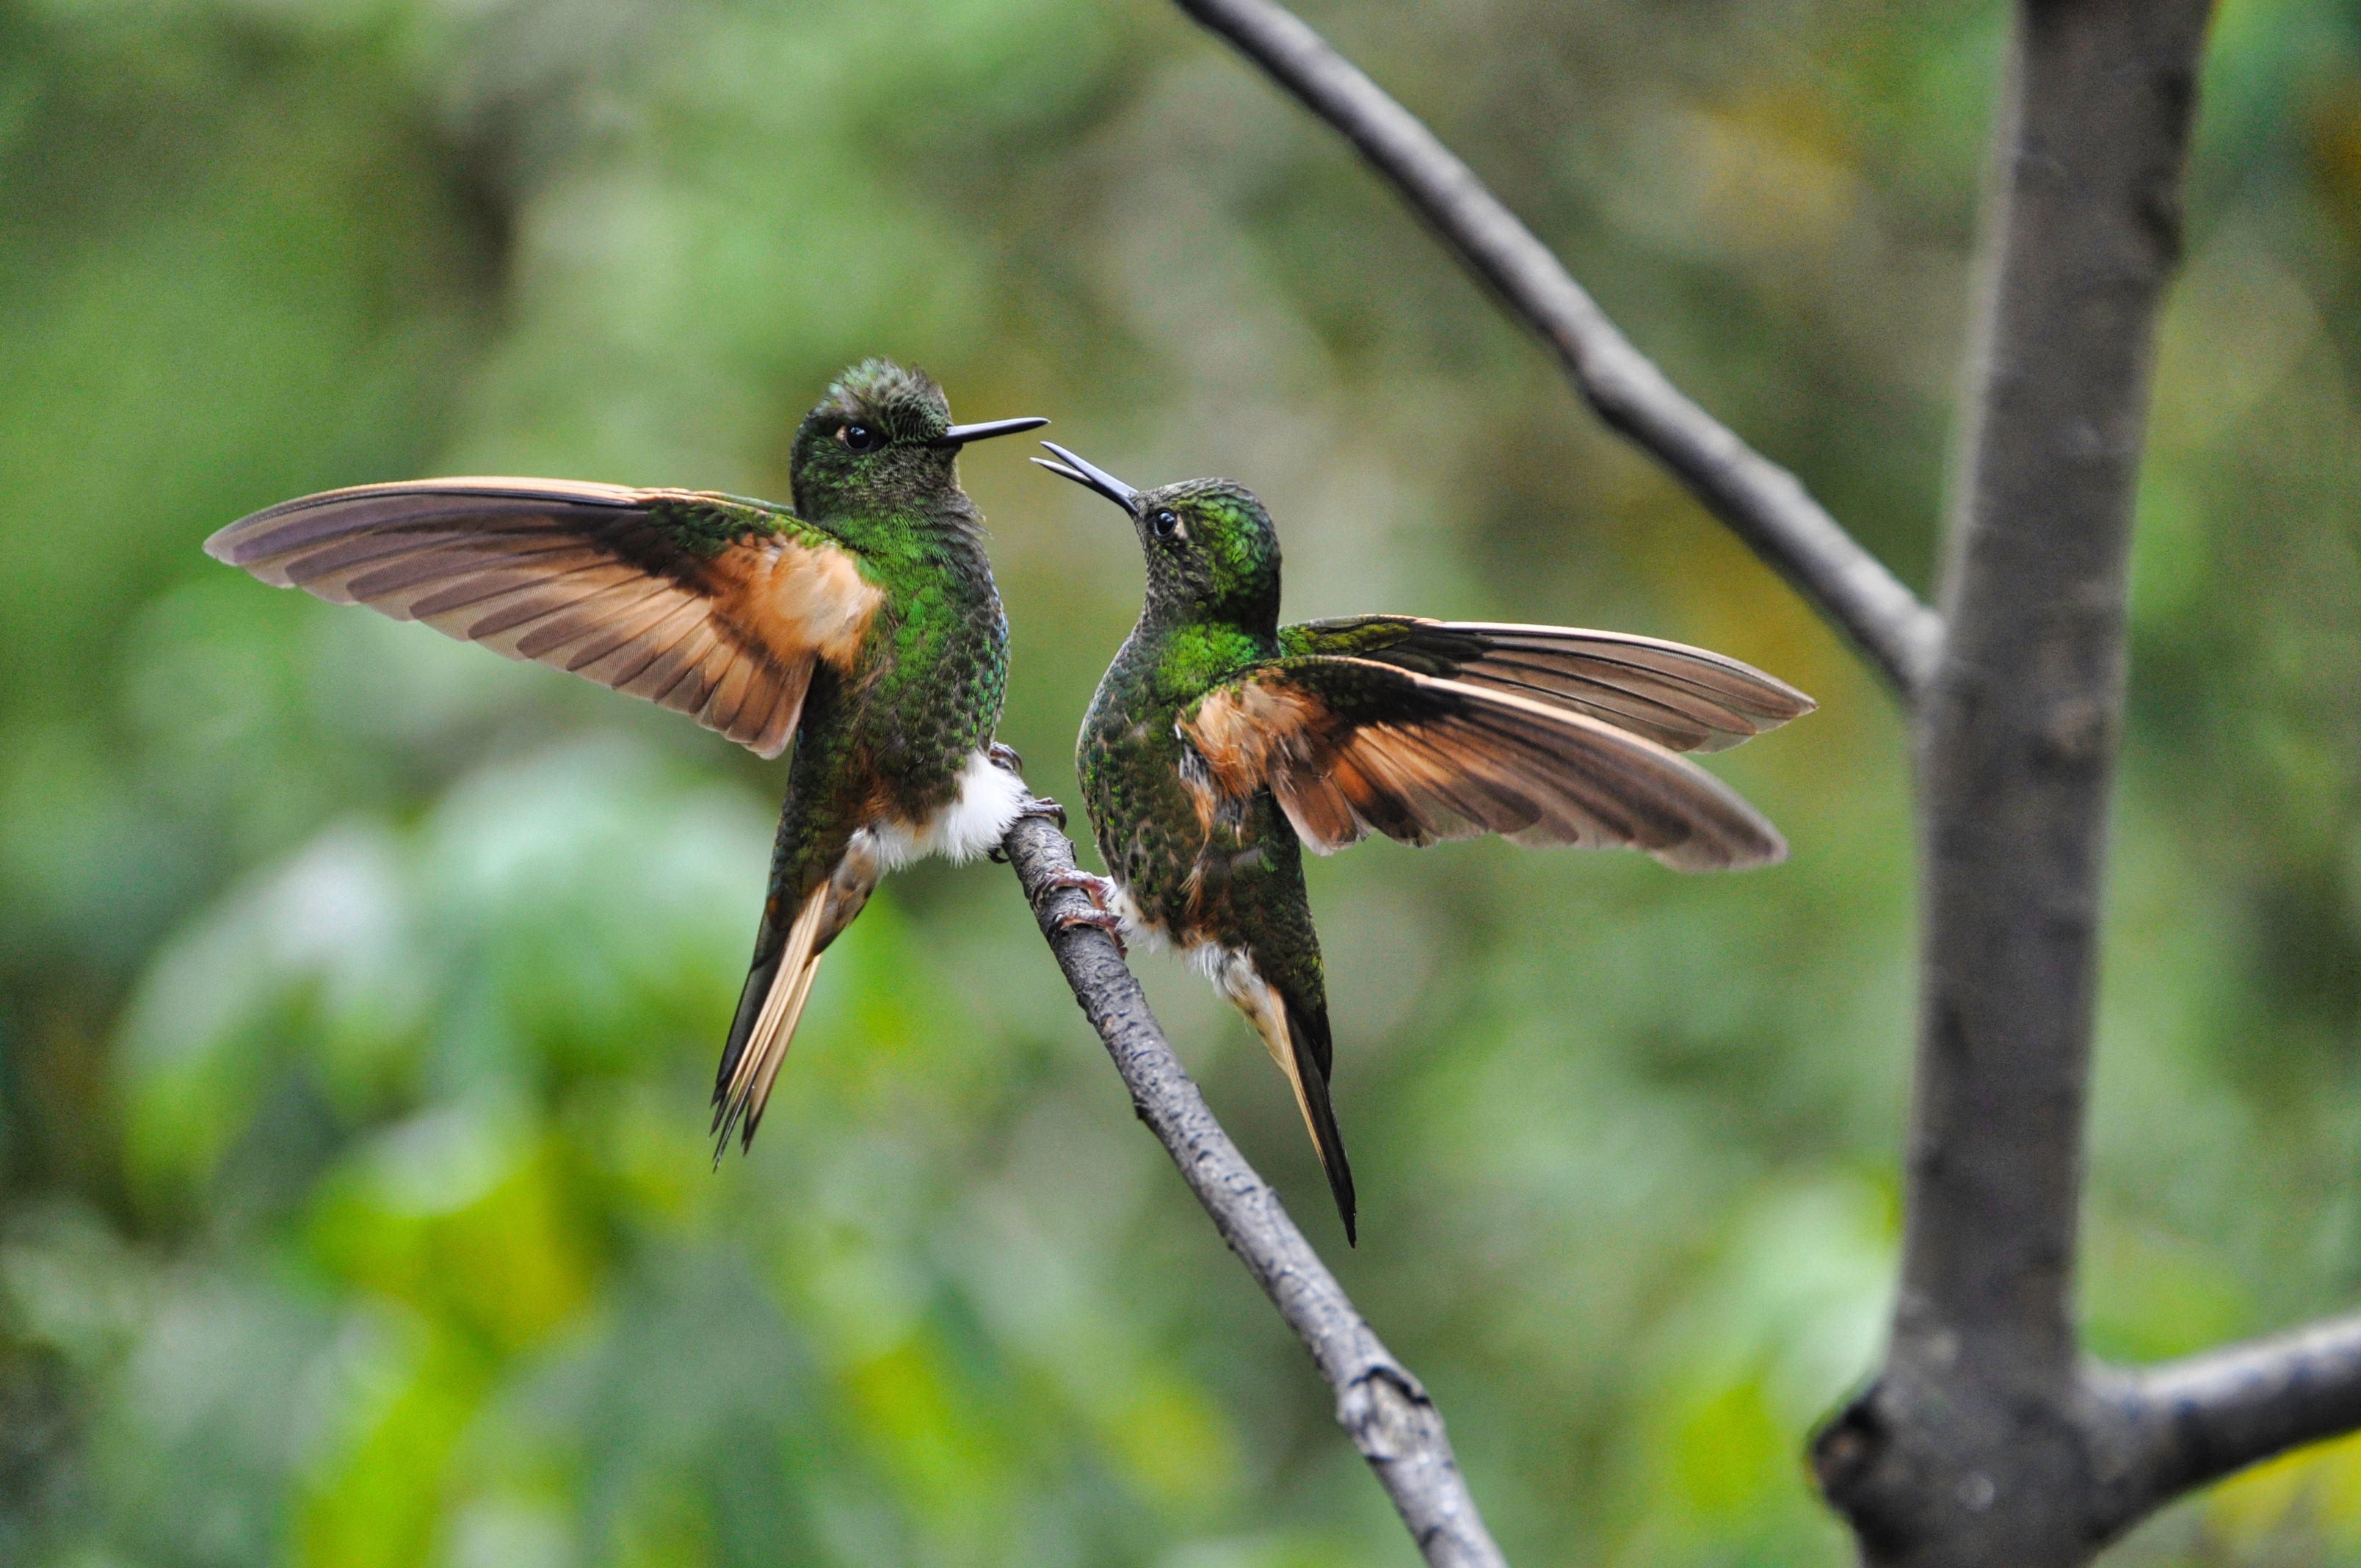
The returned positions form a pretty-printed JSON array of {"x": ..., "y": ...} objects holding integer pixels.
[
  {"x": 2200, "y": 1419},
  {"x": 1378, "y": 1403},
  {"x": 1765, "y": 505}
]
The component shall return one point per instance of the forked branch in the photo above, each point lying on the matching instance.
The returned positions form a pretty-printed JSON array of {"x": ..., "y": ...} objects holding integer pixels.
[
  {"x": 1378, "y": 1403},
  {"x": 1765, "y": 505}
]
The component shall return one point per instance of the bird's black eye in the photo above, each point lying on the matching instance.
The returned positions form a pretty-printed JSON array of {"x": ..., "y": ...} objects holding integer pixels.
[
  {"x": 1166, "y": 521},
  {"x": 858, "y": 437}
]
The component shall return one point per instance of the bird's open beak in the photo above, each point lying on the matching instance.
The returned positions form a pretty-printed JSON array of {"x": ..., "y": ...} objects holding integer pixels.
[
  {"x": 960, "y": 435},
  {"x": 1087, "y": 475}
]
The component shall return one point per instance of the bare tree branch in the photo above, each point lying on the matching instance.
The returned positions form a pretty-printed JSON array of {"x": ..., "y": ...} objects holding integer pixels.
[
  {"x": 1763, "y": 503},
  {"x": 1378, "y": 1403},
  {"x": 2197, "y": 1420},
  {"x": 1983, "y": 1441}
]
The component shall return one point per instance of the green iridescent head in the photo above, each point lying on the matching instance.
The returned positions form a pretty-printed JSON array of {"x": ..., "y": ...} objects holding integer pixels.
[
  {"x": 881, "y": 440},
  {"x": 1212, "y": 554}
]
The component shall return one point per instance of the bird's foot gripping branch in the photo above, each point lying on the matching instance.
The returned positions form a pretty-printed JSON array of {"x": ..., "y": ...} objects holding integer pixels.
[{"x": 1379, "y": 1404}]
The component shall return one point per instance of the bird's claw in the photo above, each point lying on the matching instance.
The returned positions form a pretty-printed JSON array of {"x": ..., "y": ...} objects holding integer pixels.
[
  {"x": 1042, "y": 805},
  {"x": 1101, "y": 892},
  {"x": 1004, "y": 755},
  {"x": 1105, "y": 920},
  {"x": 1035, "y": 806}
]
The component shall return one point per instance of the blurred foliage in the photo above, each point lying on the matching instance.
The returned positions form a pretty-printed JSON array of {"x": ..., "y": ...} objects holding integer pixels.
[{"x": 358, "y": 992}]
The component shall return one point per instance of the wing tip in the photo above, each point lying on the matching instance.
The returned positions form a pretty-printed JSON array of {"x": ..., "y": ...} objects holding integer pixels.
[
  {"x": 1773, "y": 851},
  {"x": 1755, "y": 846},
  {"x": 223, "y": 544},
  {"x": 1775, "y": 701},
  {"x": 232, "y": 544},
  {"x": 1747, "y": 840},
  {"x": 1794, "y": 700}
]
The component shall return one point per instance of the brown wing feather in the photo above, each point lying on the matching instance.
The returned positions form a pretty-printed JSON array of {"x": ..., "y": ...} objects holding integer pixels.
[
  {"x": 583, "y": 577},
  {"x": 1690, "y": 699},
  {"x": 1350, "y": 747}
]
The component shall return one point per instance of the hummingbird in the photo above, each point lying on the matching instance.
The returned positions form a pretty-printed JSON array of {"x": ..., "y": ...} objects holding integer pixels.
[
  {"x": 861, "y": 625},
  {"x": 1221, "y": 744}
]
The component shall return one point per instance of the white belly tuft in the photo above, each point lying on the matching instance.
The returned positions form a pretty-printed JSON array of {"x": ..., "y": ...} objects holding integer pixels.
[{"x": 989, "y": 798}]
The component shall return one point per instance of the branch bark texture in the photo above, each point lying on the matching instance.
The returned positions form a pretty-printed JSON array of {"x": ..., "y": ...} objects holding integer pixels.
[
  {"x": 1763, "y": 503},
  {"x": 1381, "y": 1407},
  {"x": 1984, "y": 1441}
]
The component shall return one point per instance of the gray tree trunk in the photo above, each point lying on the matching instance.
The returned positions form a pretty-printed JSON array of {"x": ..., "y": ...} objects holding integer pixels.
[{"x": 1981, "y": 1440}]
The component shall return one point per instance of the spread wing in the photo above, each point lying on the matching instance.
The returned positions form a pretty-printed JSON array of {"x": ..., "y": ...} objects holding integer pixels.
[
  {"x": 1686, "y": 699},
  {"x": 713, "y": 606},
  {"x": 1353, "y": 746}
]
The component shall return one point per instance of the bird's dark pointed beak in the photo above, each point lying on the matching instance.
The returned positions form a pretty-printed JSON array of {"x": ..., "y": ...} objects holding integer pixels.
[
  {"x": 1087, "y": 475},
  {"x": 960, "y": 435}
]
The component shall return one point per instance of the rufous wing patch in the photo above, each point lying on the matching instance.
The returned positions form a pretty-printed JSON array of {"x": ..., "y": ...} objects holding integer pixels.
[
  {"x": 1421, "y": 760},
  {"x": 1238, "y": 727},
  {"x": 813, "y": 596},
  {"x": 796, "y": 603}
]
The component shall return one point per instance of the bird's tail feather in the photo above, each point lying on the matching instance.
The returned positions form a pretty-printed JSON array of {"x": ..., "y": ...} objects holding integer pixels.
[
  {"x": 1308, "y": 1036},
  {"x": 1297, "y": 1037},
  {"x": 780, "y": 983},
  {"x": 767, "y": 1011}
]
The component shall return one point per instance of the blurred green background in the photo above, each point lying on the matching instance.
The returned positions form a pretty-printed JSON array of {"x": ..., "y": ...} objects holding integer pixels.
[{"x": 359, "y": 991}]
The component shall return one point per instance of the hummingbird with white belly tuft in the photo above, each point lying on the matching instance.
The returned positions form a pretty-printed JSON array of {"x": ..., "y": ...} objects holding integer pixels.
[{"x": 861, "y": 625}]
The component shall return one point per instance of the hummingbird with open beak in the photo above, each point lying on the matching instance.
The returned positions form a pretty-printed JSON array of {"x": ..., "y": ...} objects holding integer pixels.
[
  {"x": 861, "y": 625},
  {"x": 1222, "y": 744}
]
